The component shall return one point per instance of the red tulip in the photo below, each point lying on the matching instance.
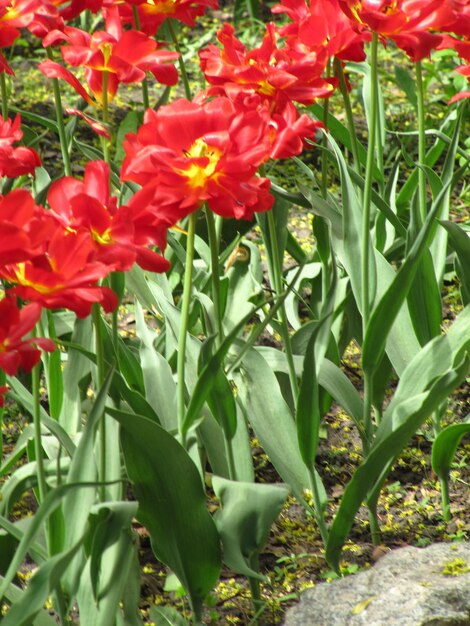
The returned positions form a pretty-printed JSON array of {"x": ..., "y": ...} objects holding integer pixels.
[
  {"x": 16, "y": 352},
  {"x": 186, "y": 154}
]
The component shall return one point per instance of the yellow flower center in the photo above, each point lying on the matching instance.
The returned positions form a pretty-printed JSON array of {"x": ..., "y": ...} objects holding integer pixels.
[
  {"x": 167, "y": 7},
  {"x": 103, "y": 239},
  {"x": 196, "y": 174},
  {"x": 20, "y": 277}
]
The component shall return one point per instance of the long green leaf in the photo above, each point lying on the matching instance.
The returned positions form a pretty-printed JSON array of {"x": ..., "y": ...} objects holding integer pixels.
[
  {"x": 428, "y": 380},
  {"x": 460, "y": 242},
  {"x": 445, "y": 446},
  {"x": 424, "y": 301},
  {"x": 352, "y": 233},
  {"x": 270, "y": 417},
  {"x": 384, "y": 314},
  {"x": 14, "y": 594},
  {"x": 172, "y": 504},
  {"x": 46, "y": 579},
  {"x": 410, "y": 414},
  {"x": 308, "y": 412}
]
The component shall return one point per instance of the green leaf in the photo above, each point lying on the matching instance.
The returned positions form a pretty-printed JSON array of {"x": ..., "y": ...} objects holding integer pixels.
[
  {"x": 460, "y": 242},
  {"x": 47, "y": 507},
  {"x": 109, "y": 567},
  {"x": 220, "y": 398},
  {"x": 24, "y": 397},
  {"x": 270, "y": 417},
  {"x": 431, "y": 376},
  {"x": 424, "y": 301},
  {"x": 172, "y": 504},
  {"x": 409, "y": 415},
  {"x": 331, "y": 378},
  {"x": 128, "y": 125},
  {"x": 166, "y": 616},
  {"x": 386, "y": 311},
  {"x": 407, "y": 83},
  {"x": 83, "y": 469},
  {"x": 160, "y": 387},
  {"x": 352, "y": 233},
  {"x": 208, "y": 376},
  {"x": 46, "y": 579},
  {"x": 14, "y": 594},
  {"x": 76, "y": 368},
  {"x": 445, "y": 446},
  {"x": 308, "y": 413},
  {"x": 340, "y": 132},
  {"x": 245, "y": 519}
]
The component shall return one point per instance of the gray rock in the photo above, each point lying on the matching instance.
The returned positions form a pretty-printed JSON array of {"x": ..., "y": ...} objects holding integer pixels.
[{"x": 407, "y": 587}]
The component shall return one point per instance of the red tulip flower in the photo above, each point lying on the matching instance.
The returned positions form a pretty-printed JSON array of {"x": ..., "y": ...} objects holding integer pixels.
[
  {"x": 186, "y": 154},
  {"x": 115, "y": 233},
  {"x": 23, "y": 230},
  {"x": 152, "y": 13},
  {"x": 63, "y": 275},
  {"x": 15, "y": 161},
  {"x": 465, "y": 71},
  {"x": 14, "y": 14},
  {"x": 109, "y": 57},
  {"x": 407, "y": 22},
  {"x": 15, "y": 351},
  {"x": 321, "y": 25},
  {"x": 273, "y": 73}
]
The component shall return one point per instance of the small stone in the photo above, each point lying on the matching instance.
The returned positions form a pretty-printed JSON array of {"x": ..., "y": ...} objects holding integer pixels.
[{"x": 407, "y": 587}]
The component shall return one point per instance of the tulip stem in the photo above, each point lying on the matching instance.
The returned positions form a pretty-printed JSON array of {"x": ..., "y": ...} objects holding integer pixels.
[
  {"x": 145, "y": 85},
  {"x": 4, "y": 89},
  {"x": 277, "y": 284},
  {"x": 100, "y": 376},
  {"x": 184, "y": 74},
  {"x": 421, "y": 143},
  {"x": 35, "y": 382},
  {"x": 183, "y": 330},
  {"x": 104, "y": 103},
  {"x": 349, "y": 114},
  {"x": 214, "y": 248},
  {"x": 60, "y": 122}
]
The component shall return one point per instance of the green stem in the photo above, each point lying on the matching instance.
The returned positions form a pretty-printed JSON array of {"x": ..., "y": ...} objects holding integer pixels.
[
  {"x": 100, "y": 376},
  {"x": 421, "y": 143},
  {"x": 3, "y": 87},
  {"x": 3, "y": 379},
  {"x": 214, "y": 238},
  {"x": 255, "y": 588},
  {"x": 365, "y": 275},
  {"x": 273, "y": 251},
  {"x": 232, "y": 466},
  {"x": 215, "y": 275},
  {"x": 367, "y": 204},
  {"x": 445, "y": 498},
  {"x": 183, "y": 330},
  {"x": 105, "y": 142},
  {"x": 184, "y": 74},
  {"x": 42, "y": 484},
  {"x": 349, "y": 114},
  {"x": 60, "y": 122},
  {"x": 375, "y": 531},
  {"x": 317, "y": 505},
  {"x": 145, "y": 85},
  {"x": 258, "y": 329}
]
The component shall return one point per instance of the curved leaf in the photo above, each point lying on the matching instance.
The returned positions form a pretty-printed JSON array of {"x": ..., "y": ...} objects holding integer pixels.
[
  {"x": 445, "y": 446},
  {"x": 172, "y": 504}
]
